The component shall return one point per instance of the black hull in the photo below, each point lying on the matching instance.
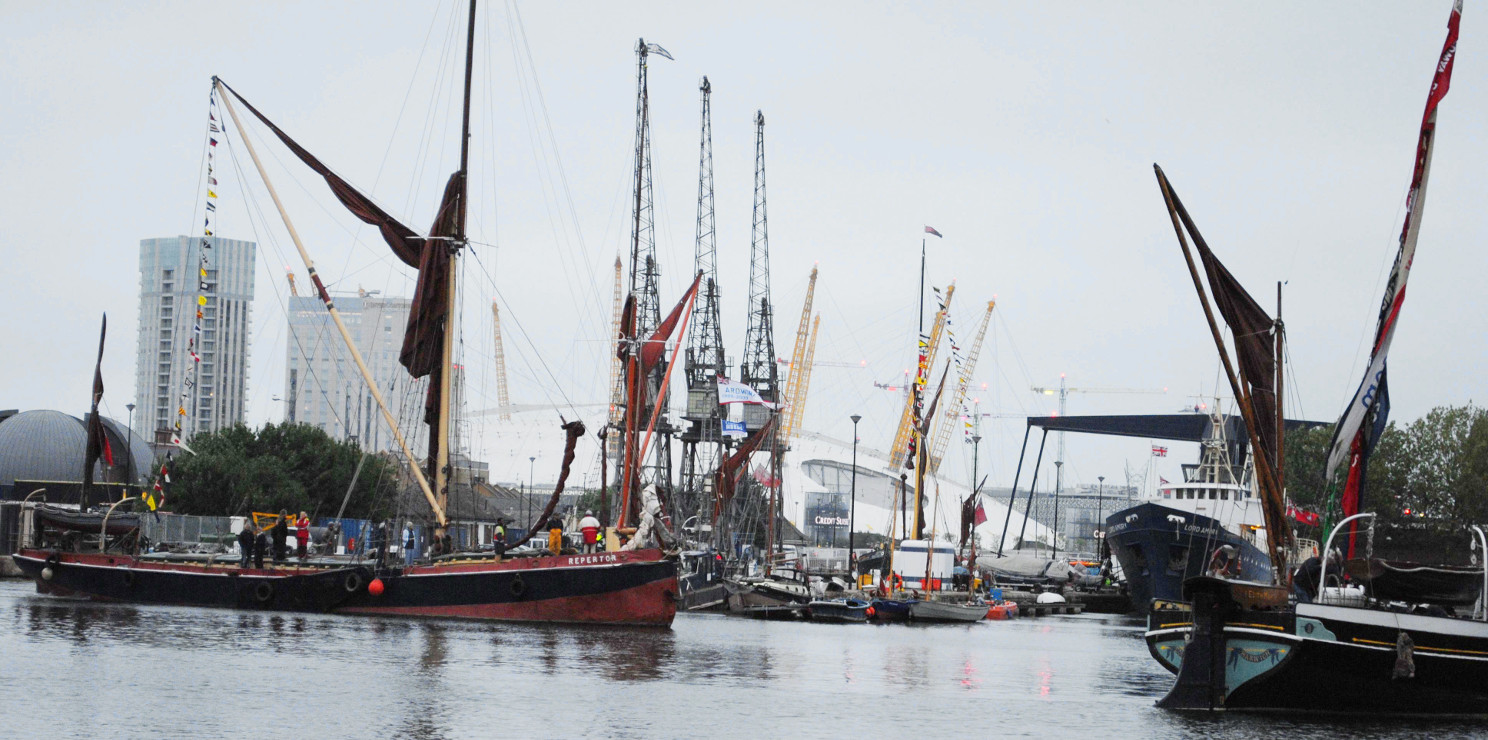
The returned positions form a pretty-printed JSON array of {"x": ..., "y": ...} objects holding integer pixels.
[
  {"x": 1158, "y": 547},
  {"x": 608, "y": 588},
  {"x": 1316, "y": 658}
]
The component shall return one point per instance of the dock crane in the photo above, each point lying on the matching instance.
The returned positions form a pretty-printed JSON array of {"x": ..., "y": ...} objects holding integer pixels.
[
  {"x": 899, "y": 453},
  {"x": 950, "y": 417},
  {"x": 798, "y": 375}
]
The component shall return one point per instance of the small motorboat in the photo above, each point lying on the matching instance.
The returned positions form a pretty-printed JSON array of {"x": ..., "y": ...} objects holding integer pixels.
[
  {"x": 839, "y": 610},
  {"x": 891, "y": 610},
  {"x": 1001, "y": 611},
  {"x": 947, "y": 612}
]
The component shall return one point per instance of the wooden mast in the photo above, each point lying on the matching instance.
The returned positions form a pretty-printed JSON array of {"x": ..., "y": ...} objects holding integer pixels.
[
  {"x": 1275, "y": 526},
  {"x": 356, "y": 354},
  {"x": 446, "y": 370}
]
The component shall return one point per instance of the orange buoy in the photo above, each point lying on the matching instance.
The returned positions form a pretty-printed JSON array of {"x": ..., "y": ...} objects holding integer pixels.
[
  {"x": 375, "y": 587},
  {"x": 871, "y": 612}
]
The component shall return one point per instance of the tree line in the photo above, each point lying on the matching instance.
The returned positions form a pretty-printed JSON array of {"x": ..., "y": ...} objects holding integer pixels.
[
  {"x": 1429, "y": 474},
  {"x": 291, "y": 467}
]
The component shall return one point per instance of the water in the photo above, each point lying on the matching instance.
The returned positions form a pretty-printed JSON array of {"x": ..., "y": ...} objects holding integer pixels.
[{"x": 73, "y": 669}]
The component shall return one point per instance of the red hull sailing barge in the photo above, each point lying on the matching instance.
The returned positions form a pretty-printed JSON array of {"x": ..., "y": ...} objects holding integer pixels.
[{"x": 634, "y": 587}]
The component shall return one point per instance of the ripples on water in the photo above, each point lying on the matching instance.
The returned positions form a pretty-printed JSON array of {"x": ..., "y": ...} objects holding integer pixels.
[{"x": 81, "y": 670}]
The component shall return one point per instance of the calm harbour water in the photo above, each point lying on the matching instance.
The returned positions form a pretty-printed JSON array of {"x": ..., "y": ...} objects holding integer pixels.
[{"x": 72, "y": 669}]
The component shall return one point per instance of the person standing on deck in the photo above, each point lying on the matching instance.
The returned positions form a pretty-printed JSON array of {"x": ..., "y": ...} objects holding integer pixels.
[
  {"x": 280, "y": 535},
  {"x": 245, "y": 543},
  {"x": 590, "y": 527},
  {"x": 410, "y": 544},
  {"x": 555, "y": 535},
  {"x": 498, "y": 538},
  {"x": 260, "y": 546},
  {"x": 302, "y": 536}
]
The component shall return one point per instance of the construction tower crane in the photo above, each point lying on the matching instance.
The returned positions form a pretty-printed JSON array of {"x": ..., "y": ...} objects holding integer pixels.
[
  {"x": 703, "y": 444},
  {"x": 293, "y": 291},
  {"x": 1063, "y": 392},
  {"x": 503, "y": 399},
  {"x": 899, "y": 453},
  {"x": 950, "y": 417},
  {"x": 796, "y": 411},
  {"x": 799, "y": 366}
]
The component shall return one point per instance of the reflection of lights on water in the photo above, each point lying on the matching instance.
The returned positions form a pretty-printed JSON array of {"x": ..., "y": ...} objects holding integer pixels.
[
  {"x": 969, "y": 679},
  {"x": 1045, "y": 676},
  {"x": 847, "y": 670}
]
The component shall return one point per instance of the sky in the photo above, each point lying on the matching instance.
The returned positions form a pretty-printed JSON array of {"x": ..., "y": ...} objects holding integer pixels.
[{"x": 1025, "y": 133}]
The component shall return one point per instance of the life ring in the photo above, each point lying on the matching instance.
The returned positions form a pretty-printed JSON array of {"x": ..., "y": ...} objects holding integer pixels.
[
  {"x": 353, "y": 582},
  {"x": 518, "y": 586},
  {"x": 896, "y": 582},
  {"x": 263, "y": 591},
  {"x": 129, "y": 578}
]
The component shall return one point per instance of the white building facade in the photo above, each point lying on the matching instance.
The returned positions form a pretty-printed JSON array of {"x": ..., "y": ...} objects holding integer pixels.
[{"x": 324, "y": 388}]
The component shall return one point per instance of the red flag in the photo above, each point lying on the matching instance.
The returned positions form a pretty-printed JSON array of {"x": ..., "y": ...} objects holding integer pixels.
[
  {"x": 931, "y": 230},
  {"x": 980, "y": 517}
]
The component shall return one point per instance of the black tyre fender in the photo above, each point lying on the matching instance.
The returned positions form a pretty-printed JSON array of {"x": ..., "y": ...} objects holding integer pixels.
[
  {"x": 518, "y": 586},
  {"x": 263, "y": 591},
  {"x": 353, "y": 582}
]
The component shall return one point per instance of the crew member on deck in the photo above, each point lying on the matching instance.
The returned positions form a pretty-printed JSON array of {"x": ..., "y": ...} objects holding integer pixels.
[
  {"x": 260, "y": 546},
  {"x": 410, "y": 544},
  {"x": 555, "y": 535},
  {"x": 302, "y": 536},
  {"x": 245, "y": 543},
  {"x": 281, "y": 535},
  {"x": 590, "y": 527}
]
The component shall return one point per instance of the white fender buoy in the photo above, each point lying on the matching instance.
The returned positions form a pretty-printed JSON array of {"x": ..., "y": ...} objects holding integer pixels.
[
  {"x": 1049, "y": 597},
  {"x": 46, "y": 573}
]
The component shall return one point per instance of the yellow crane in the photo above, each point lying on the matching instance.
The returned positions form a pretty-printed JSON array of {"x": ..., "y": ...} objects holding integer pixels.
[
  {"x": 800, "y": 367},
  {"x": 899, "y": 453},
  {"x": 503, "y": 400},
  {"x": 950, "y": 417},
  {"x": 288, "y": 273},
  {"x": 797, "y": 410}
]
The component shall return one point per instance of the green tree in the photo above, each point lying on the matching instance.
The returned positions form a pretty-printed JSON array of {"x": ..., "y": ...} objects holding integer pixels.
[{"x": 294, "y": 467}]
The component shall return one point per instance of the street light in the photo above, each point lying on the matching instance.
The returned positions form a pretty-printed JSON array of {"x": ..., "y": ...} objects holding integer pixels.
[
  {"x": 852, "y": 511},
  {"x": 129, "y": 445}
]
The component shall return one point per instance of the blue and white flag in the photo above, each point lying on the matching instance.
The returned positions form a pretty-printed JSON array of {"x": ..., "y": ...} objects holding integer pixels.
[
  {"x": 730, "y": 391},
  {"x": 734, "y": 429}
]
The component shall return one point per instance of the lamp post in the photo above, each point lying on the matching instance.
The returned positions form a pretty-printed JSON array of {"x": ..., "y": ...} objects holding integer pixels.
[
  {"x": 853, "y": 507},
  {"x": 129, "y": 446}
]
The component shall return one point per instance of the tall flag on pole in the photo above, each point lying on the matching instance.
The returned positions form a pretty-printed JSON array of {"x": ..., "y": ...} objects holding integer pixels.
[
  {"x": 1363, "y": 421},
  {"x": 931, "y": 230}
]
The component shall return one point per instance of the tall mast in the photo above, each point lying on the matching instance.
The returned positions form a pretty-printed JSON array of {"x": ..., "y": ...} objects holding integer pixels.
[
  {"x": 446, "y": 370},
  {"x": 702, "y": 443}
]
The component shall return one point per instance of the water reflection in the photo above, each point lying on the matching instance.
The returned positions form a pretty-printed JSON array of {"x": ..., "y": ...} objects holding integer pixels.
[{"x": 171, "y": 669}]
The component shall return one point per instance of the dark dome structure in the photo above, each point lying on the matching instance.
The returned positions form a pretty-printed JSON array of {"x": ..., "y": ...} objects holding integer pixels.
[{"x": 49, "y": 445}]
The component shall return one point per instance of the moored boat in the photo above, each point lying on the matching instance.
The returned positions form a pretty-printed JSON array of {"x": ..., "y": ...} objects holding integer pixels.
[
  {"x": 946, "y": 612},
  {"x": 839, "y": 610}
]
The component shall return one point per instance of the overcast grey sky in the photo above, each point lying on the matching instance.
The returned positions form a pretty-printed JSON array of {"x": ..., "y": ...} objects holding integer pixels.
[{"x": 1024, "y": 133}]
